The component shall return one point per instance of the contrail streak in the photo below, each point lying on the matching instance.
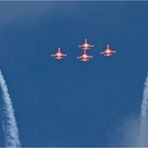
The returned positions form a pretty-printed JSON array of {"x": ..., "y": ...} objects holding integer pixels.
[
  {"x": 144, "y": 117},
  {"x": 9, "y": 122}
]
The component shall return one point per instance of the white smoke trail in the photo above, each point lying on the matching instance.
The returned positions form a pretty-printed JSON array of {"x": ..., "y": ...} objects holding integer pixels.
[
  {"x": 144, "y": 117},
  {"x": 9, "y": 123}
]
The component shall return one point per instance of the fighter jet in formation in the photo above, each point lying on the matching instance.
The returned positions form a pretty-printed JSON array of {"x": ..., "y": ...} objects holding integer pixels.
[
  {"x": 85, "y": 57},
  {"x": 59, "y": 55},
  {"x": 86, "y": 45},
  {"x": 108, "y": 52}
]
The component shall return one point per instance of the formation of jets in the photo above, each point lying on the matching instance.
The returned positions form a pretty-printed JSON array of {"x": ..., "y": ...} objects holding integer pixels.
[{"x": 85, "y": 57}]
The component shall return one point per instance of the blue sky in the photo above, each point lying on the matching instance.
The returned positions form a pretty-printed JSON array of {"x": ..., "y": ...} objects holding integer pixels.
[{"x": 69, "y": 102}]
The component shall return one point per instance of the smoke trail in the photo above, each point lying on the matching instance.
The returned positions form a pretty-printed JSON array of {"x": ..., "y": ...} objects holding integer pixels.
[
  {"x": 144, "y": 117},
  {"x": 9, "y": 122}
]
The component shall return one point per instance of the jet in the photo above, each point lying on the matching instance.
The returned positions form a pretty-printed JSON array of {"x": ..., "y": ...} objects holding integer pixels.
[
  {"x": 85, "y": 57},
  {"x": 85, "y": 45},
  {"x": 108, "y": 51},
  {"x": 59, "y": 55}
]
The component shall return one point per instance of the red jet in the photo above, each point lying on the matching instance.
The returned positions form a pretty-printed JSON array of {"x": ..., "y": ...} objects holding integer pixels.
[
  {"x": 85, "y": 57},
  {"x": 59, "y": 55},
  {"x": 108, "y": 51},
  {"x": 86, "y": 45}
]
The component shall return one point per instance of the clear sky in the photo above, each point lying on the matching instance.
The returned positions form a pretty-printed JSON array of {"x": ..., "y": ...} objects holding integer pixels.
[{"x": 69, "y": 102}]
